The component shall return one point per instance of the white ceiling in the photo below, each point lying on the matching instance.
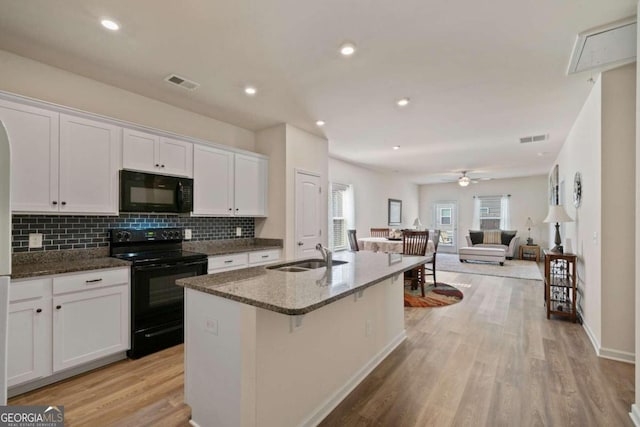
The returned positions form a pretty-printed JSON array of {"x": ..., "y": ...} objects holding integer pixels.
[{"x": 480, "y": 74}]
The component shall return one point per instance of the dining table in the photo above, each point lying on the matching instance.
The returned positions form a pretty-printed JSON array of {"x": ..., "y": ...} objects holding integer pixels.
[{"x": 385, "y": 244}]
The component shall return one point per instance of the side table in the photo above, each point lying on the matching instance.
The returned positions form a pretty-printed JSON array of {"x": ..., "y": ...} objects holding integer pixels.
[
  {"x": 530, "y": 252},
  {"x": 560, "y": 287}
]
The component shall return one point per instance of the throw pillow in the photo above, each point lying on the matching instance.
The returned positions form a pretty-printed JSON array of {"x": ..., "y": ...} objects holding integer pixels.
[
  {"x": 492, "y": 237},
  {"x": 507, "y": 236},
  {"x": 476, "y": 237}
]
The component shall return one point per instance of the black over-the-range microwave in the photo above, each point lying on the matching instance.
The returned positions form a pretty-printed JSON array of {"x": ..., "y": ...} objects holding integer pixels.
[{"x": 147, "y": 192}]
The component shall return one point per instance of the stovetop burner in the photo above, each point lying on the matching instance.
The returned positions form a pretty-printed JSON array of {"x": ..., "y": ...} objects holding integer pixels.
[{"x": 151, "y": 245}]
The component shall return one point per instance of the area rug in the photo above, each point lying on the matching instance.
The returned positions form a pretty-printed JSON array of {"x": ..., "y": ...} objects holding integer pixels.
[
  {"x": 434, "y": 296},
  {"x": 514, "y": 268}
]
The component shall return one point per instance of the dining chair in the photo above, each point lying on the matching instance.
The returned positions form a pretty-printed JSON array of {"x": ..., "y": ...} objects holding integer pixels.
[
  {"x": 353, "y": 241},
  {"x": 434, "y": 236},
  {"x": 415, "y": 243},
  {"x": 380, "y": 232}
]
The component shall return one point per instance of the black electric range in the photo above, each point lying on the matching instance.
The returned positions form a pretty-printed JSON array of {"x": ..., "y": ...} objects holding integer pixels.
[{"x": 157, "y": 303}]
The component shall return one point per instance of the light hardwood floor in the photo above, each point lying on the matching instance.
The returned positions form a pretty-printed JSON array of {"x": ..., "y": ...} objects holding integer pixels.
[{"x": 491, "y": 360}]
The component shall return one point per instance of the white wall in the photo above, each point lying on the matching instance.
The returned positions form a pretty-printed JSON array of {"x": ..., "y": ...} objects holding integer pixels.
[
  {"x": 618, "y": 208},
  {"x": 34, "y": 79},
  {"x": 601, "y": 146},
  {"x": 371, "y": 193},
  {"x": 635, "y": 412},
  {"x": 581, "y": 152},
  {"x": 272, "y": 142},
  {"x": 528, "y": 199}
]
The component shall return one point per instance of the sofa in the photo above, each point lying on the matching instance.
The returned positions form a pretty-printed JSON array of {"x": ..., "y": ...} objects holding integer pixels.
[{"x": 507, "y": 240}]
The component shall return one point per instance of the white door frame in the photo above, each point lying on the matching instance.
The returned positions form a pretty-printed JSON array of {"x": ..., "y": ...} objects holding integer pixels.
[{"x": 454, "y": 247}]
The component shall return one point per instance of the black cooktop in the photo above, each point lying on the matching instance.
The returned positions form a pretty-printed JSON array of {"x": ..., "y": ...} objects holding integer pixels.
[{"x": 153, "y": 257}]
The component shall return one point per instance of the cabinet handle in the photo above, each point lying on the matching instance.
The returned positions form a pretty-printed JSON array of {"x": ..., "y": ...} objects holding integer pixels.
[
  {"x": 230, "y": 209},
  {"x": 93, "y": 281},
  {"x": 162, "y": 166},
  {"x": 237, "y": 209},
  {"x": 229, "y": 261},
  {"x": 63, "y": 203},
  {"x": 39, "y": 310},
  {"x": 300, "y": 243},
  {"x": 265, "y": 256},
  {"x": 54, "y": 202},
  {"x": 58, "y": 307},
  {"x": 157, "y": 165}
]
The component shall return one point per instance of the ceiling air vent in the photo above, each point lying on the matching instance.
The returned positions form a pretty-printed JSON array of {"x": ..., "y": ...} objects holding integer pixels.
[
  {"x": 534, "y": 138},
  {"x": 611, "y": 44},
  {"x": 182, "y": 82}
]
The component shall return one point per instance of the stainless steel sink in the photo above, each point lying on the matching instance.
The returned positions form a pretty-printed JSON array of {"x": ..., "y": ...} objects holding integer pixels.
[{"x": 303, "y": 265}]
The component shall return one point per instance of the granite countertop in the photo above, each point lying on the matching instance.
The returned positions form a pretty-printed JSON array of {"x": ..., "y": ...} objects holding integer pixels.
[
  {"x": 231, "y": 246},
  {"x": 302, "y": 292},
  {"x": 32, "y": 264}
]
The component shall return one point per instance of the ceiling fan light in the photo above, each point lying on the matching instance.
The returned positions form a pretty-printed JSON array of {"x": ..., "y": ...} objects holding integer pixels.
[{"x": 463, "y": 181}]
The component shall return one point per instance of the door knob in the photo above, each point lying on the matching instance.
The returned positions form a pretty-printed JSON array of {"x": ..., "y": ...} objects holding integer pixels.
[{"x": 300, "y": 243}]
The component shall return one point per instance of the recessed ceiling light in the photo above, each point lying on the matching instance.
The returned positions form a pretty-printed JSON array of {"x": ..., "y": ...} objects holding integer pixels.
[
  {"x": 250, "y": 90},
  {"x": 320, "y": 123},
  {"x": 110, "y": 25},
  {"x": 396, "y": 147},
  {"x": 347, "y": 49},
  {"x": 403, "y": 102}
]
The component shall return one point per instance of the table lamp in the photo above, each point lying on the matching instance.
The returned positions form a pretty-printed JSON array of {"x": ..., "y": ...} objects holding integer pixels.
[
  {"x": 557, "y": 214},
  {"x": 529, "y": 224},
  {"x": 417, "y": 224}
]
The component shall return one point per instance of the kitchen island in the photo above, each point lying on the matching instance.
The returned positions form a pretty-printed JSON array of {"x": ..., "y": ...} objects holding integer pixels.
[{"x": 265, "y": 347}]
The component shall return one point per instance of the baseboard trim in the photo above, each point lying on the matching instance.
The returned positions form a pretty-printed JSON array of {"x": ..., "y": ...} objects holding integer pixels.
[
  {"x": 635, "y": 415},
  {"x": 76, "y": 370},
  {"x": 330, "y": 404},
  {"x": 607, "y": 353}
]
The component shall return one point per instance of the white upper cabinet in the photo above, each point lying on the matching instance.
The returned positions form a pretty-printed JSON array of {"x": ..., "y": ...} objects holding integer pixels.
[
  {"x": 33, "y": 135},
  {"x": 61, "y": 163},
  {"x": 250, "y": 185},
  {"x": 151, "y": 153},
  {"x": 229, "y": 184},
  {"x": 212, "y": 181},
  {"x": 89, "y": 153}
]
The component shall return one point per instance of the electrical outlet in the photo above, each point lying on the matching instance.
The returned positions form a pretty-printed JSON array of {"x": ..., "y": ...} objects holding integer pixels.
[
  {"x": 368, "y": 328},
  {"x": 35, "y": 240},
  {"x": 238, "y": 231},
  {"x": 187, "y": 234},
  {"x": 211, "y": 326}
]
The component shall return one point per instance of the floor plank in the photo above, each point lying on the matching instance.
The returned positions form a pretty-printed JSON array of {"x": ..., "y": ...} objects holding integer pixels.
[{"x": 491, "y": 360}]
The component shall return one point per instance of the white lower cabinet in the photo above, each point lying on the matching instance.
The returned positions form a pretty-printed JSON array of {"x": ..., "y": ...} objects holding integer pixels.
[
  {"x": 88, "y": 325},
  {"x": 221, "y": 263},
  {"x": 60, "y": 322},
  {"x": 29, "y": 339}
]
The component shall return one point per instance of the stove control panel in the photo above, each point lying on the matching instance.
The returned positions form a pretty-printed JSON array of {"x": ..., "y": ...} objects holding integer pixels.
[{"x": 127, "y": 235}]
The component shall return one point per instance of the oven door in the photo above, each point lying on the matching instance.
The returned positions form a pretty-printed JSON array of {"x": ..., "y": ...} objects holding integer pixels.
[
  {"x": 146, "y": 192},
  {"x": 155, "y": 295}
]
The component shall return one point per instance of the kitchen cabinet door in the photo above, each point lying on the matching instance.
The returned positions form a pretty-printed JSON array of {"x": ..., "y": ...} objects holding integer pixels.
[
  {"x": 89, "y": 164},
  {"x": 29, "y": 341},
  {"x": 212, "y": 181},
  {"x": 33, "y": 135},
  {"x": 175, "y": 157},
  {"x": 139, "y": 151},
  {"x": 250, "y": 185},
  {"x": 90, "y": 324}
]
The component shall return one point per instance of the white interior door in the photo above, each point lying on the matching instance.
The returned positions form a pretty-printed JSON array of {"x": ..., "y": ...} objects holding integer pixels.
[
  {"x": 446, "y": 220},
  {"x": 308, "y": 231}
]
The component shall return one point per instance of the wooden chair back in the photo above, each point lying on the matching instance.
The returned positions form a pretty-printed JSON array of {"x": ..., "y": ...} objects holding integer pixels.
[
  {"x": 353, "y": 240},
  {"x": 380, "y": 232},
  {"x": 415, "y": 242}
]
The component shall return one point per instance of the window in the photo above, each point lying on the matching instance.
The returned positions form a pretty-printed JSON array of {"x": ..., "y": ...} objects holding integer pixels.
[
  {"x": 491, "y": 213},
  {"x": 490, "y": 209},
  {"x": 340, "y": 216},
  {"x": 445, "y": 216}
]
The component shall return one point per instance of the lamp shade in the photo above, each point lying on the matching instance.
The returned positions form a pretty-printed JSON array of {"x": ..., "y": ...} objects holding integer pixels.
[
  {"x": 417, "y": 223},
  {"x": 529, "y": 222},
  {"x": 557, "y": 214}
]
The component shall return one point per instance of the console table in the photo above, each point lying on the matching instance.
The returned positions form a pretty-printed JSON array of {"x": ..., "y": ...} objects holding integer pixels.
[{"x": 560, "y": 284}]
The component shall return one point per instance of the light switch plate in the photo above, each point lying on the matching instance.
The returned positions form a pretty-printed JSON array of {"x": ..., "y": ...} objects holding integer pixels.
[
  {"x": 238, "y": 231},
  {"x": 35, "y": 240},
  {"x": 187, "y": 234}
]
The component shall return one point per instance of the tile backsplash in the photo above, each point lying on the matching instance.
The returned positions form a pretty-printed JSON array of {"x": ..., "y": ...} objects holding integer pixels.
[{"x": 83, "y": 232}]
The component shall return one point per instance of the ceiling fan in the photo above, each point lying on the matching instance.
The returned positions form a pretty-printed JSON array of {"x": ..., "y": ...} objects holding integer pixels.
[{"x": 464, "y": 180}]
